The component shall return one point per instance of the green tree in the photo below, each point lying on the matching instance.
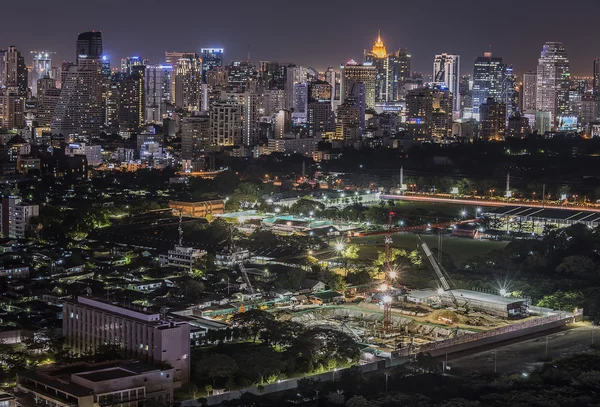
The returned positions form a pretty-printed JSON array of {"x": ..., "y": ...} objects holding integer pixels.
[
  {"x": 563, "y": 300},
  {"x": 216, "y": 366},
  {"x": 254, "y": 321}
]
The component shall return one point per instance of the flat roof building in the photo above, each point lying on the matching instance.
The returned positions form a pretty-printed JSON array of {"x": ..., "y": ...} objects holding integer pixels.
[
  {"x": 144, "y": 334},
  {"x": 485, "y": 302},
  {"x": 124, "y": 383}
]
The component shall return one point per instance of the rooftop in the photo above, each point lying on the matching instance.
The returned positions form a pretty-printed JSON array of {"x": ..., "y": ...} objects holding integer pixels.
[
  {"x": 546, "y": 213},
  {"x": 485, "y": 297}
]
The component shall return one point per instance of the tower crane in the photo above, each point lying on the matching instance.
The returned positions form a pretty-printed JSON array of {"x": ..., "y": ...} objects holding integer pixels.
[
  {"x": 387, "y": 269},
  {"x": 439, "y": 272},
  {"x": 240, "y": 264}
]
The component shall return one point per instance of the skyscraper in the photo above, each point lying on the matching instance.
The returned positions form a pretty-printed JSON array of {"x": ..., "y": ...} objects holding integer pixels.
[
  {"x": 493, "y": 120},
  {"x": 41, "y": 66},
  {"x": 188, "y": 81},
  {"x": 211, "y": 58},
  {"x": 89, "y": 44},
  {"x": 488, "y": 79},
  {"x": 446, "y": 72},
  {"x": 106, "y": 66},
  {"x": 429, "y": 113},
  {"x": 320, "y": 118},
  {"x": 294, "y": 75},
  {"x": 240, "y": 74},
  {"x": 79, "y": 109},
  {"x": 392, "y": 70},
  {"x": 157, "y": 83},
  {"x": 15, "y": 72},
  {"x": 128, "y": 63},
  {"x": 195, "y": 136},
  {"x": 225, "y": 124},
  {"x": 596, "y": 85},
  {"x": 528, "y": 93},
  {"x": 365, "y": 74},
  {"x": 552, "y": 87},
  {"x": 132, "y": 101}
]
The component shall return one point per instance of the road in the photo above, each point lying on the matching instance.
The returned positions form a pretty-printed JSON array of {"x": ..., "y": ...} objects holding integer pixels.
[
  {"x": 483, "y": 202},
  {"x": 522, "y": 356}
]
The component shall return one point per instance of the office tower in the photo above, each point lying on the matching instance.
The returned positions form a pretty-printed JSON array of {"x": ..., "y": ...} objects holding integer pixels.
[
  {"x": 357, "y": 98},
  {"x": 250, "y": 124},
  {"x": 47, "y": 99},
  {"x": 294, "y": 75},
  {"x": 510, "y": 93},
  {"x": 392, "y": 70},
  {"x": 41, "y": 66},
  {"x": 12, "y": 109},
  {"x": 188, "y": 81},
  {"x": 225, "y": 124},
  {"x": 128, "y": 63},
  {"x": 211, "y": 58},
  {"x": 446, "y": 72},
  {"x": 273, "y": 74},
  {"x": 552, "y": 88},
  {"x": 2, "y": 67},
  {"x": 240, "y": 73},
  {"x": 217, "y": 77},
  {"x": 466, "y": 97},
  {"x": 132, "y": 101},
  {"x": 596, "y": 78},
  {"x": 111, "y": 106},
  {"x": 528, "y": 90},
  {"x": 282, "y": 124},
  {"x": 89, "y": 45},
  {"x": 429, "y": 113},
  {"x": 518, "y": 126},
  {"x": 590, "y": 109},
  {"x": 195, "y": 136},
  {"x": 319, "y": 91},
  {"x": 106, "y": 66},
  {"x": 79, "y": 109},
  {"x": 300, "y": 102},
  {"x": 272, "y": 101},
  {"x": 488, "y": 80},
  {"x": 333, "y": 78},
  {"x": 15, "y": 71},
  {"x": 320, "y": 118},
  {"x": 366, "y": 74},
  {"x": 142, "y": 333},
  {"x": 157, "y": 83},
  {"x": 347, "y": 126},
  {"x": 492, "y": 120}
]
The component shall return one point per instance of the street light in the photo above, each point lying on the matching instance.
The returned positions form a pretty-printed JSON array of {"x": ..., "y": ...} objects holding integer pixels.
[
  {"x": 503, "y": 292},
  {"x": 463, "y": 213},
  {"x": 339, "y": 247},
  {"x": 393, "y": 274}
]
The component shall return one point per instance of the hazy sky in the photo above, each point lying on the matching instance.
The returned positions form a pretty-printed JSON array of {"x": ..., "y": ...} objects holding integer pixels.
[{"x": 309, "y": 32}]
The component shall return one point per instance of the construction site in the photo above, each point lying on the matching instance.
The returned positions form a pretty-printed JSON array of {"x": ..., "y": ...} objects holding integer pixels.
[{"x": 387, "y": 318}]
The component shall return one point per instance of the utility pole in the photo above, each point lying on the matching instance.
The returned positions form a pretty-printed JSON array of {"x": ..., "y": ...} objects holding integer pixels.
[
  {"x": 543, "y": 195},
  {"x": 507, "y": 185},
  {"x": 401, "y": 178}
]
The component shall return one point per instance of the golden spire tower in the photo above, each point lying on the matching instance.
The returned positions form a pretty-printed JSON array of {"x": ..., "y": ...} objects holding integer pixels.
[{"x": 379, "y": 48}]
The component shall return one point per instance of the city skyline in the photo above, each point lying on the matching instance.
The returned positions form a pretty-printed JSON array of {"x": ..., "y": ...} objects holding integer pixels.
[{"x": 273, "y": 33}]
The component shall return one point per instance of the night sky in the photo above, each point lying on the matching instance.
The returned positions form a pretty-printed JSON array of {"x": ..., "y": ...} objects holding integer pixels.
[{"x": 309, "y": 32}]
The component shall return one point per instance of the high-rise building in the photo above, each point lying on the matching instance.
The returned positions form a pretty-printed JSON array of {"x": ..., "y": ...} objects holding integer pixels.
[
  {"x": 157, "y": 82},
  {"x": 300, "y": 102},
  {"x": 79, "y": 109},
  {"x": 466, "y": 97},
  {"x": 488, "y": 80},
  {"x": 590, "y": 109},
  {"x": 111, "y": 106},
  {"x": 47, "y": 99},
  {"x": 596, "y": 83},
  {"x": 187, "y": 84},
  {"x": 142, "y": 333},
  {"x": 365, "y": 74},
  {"x": 319, "y": 92},
  {"x": 15, "y": 217},
  {"x": 294, "y": 75},
  {"x": 2, "y": 67},
  {"x": 225, "y": 124},
  {"x": 392, "y": 70},
  {"x": 89, "y": 45},
  {"x": 446, "y": 72},
  {"x": 553, "y": 76},
  {"x": 250, "y": 123},
  {"x": 528, "y": 89},
  {"x": 357, "y": 98},
  {"x": 320, "y": 118},
  {"x": 492, "y": 120},
  {"x": 15, "y": 71},
  {"x": 132, "y": 101},
  {"x": 41, "y": 66},
  {"x": 347, "y": 126},
  {"x": 106, "y": 66},
  {"x": 333, "y": 78},
  {"x": 12, "y": 109},
  {"x": 195, "y": 136},
  {"x": 211, "y": 58},
  {"x": 240, "y": 74},
  {"x": 518, "y": 126},
  {"x": 429, "y": 113},
  {"x": 282, "y": 123},
  {"x": 128, "y": 63}
]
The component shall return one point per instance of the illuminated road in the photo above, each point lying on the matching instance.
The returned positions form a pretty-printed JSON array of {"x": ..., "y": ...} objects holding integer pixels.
[{"x": 484, "y": 202}]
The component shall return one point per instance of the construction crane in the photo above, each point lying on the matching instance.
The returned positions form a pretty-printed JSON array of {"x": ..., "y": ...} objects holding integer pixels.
[
  {"x": 438, "y": 271},
  {"x": 240, "y": 264}
]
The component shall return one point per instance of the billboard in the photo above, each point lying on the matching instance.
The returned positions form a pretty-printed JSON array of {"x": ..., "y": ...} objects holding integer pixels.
[{"x": 567, "y": 123}]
